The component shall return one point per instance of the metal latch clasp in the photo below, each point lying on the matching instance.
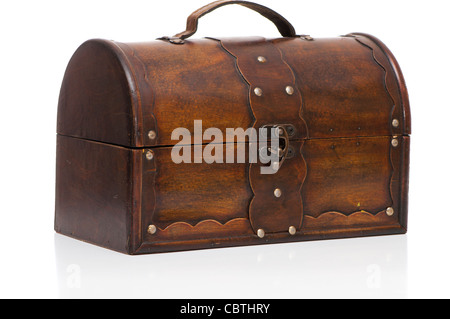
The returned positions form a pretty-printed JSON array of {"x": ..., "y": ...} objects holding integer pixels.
[{"x": 283, "y": 151}]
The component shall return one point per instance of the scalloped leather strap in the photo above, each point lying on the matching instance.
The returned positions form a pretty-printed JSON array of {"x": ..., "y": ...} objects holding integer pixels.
[{"x": 275, "y": 100}]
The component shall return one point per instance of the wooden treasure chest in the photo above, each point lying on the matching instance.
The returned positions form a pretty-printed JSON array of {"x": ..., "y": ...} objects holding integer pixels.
[{"x": 181, "y": 144}]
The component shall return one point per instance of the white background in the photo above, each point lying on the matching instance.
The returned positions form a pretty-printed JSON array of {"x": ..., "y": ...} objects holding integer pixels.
[{"x": 37, "y": 41}]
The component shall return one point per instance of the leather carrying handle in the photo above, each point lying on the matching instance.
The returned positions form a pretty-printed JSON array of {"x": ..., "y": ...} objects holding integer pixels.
[{"x": 284, "y": 26}]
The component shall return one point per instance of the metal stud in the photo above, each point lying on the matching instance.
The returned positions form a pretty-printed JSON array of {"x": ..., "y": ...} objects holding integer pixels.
[
  {"x": 150, "y": 155},
  {"x": 258, "y": 91},
  {"x": 278, "y": 193},
  {"x": 292, "y": 230},
  {"x": 261, "y": 233},
  {"x": 262, "y": 59},
  {"x": 390, "y": 211},
  {"x": 395, "y": 142},
  {"x": 290, "y": 130},
  {"x": 152, "y": 135},
  {"x": 151, "y": 229},
  {"x": 290, "y": 90},
  {"x": 395, "y": 123},
  {"x": 290, "y": 153}
]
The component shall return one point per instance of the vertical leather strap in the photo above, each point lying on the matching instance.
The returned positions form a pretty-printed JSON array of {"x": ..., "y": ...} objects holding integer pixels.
[{"x": 275, "y": 100}]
